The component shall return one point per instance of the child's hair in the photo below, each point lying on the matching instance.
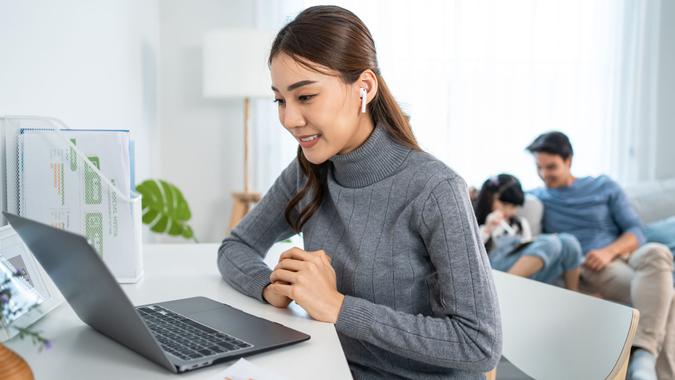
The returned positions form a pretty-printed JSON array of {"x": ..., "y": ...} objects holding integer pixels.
[
  {"x": 504, "y": 187},
  {"x": 336, "y": 39}
]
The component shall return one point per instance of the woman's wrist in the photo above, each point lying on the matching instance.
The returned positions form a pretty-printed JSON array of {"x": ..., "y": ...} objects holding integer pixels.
[{"x": 339, "y": 300}]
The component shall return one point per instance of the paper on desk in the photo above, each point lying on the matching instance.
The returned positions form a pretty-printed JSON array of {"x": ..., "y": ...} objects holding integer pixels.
[
  {"x": 58, "y": 188},
  {"x": 245, "y": 370}
]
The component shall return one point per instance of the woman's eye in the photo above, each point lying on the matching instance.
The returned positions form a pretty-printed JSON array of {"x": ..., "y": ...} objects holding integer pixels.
[
  {"x": 305, "y": 98},
  {"x": 279, "y": 101}
]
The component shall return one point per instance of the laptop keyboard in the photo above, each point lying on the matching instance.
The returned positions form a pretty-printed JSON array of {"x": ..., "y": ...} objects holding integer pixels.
[{"x": 185, "y": 338}]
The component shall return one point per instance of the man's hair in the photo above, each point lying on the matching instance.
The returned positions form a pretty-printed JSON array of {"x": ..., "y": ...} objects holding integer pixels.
[{"x": 552, "y": 143}]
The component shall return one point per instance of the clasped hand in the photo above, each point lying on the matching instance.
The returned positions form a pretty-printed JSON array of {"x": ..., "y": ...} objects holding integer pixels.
[
  {"x": 597, "y": 259},
  {"x": 308, "y": 279}
]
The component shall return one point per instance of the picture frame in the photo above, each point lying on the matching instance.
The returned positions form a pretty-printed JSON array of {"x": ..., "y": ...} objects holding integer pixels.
[{"x": 15, "y": 255}]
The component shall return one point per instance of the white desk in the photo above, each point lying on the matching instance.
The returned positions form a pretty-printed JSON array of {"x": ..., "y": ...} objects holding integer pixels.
[{"x": 173, "y": 272}]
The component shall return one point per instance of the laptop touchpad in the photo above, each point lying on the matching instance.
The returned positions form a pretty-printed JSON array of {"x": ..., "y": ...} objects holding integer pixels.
[{"x": 245, "y": 326}]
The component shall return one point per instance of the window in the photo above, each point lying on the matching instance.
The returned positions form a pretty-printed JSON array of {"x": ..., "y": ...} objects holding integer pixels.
[{"x": 481, "y": 79}]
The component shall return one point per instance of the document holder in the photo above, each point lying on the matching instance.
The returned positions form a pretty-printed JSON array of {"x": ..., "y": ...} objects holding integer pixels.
[{"x": 78, "y": 180}]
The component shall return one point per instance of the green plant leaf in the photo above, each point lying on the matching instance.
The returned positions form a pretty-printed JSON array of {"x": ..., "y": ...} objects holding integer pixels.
[
  {"x": 165, "y": 209},
  {"x": 187, "y": 233}
]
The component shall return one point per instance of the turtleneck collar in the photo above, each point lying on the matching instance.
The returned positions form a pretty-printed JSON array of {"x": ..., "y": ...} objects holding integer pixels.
[{"x": 376, "y": 159}]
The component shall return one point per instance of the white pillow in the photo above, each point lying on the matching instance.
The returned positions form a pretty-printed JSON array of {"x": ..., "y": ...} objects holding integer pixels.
[{"x": 533, "y": 212}]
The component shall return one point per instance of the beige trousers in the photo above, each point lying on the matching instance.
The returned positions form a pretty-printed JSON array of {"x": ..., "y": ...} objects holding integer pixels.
[{"x": 643, "y": 280}]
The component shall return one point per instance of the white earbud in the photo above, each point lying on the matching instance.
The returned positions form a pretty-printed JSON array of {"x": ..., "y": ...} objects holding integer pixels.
[{"x": 363, "y": 93}]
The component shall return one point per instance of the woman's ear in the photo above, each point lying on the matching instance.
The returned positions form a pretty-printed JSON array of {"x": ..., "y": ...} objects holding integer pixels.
[{"x": 368, "y": 81}]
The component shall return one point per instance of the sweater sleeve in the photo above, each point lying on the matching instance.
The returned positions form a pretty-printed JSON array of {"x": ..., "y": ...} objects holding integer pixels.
[
  {"x": 464, "y": 331},
  {"x": 241, "y": 255}
]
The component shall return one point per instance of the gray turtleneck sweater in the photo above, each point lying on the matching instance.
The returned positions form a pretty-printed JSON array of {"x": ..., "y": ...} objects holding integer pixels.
[{"x": 399, "y": 227}]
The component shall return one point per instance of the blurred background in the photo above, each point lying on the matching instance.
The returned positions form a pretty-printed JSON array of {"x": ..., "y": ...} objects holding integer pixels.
[{"x": 480, "y": 80}]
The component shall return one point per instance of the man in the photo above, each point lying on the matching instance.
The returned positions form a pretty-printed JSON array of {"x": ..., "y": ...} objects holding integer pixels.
[{"x": 617, "y": 264}]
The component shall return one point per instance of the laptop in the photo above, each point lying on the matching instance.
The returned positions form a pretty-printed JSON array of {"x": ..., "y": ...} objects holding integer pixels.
[{"x": 179, "y": 335}]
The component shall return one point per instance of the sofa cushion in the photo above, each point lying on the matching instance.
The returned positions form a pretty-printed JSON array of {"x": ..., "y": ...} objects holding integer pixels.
[
  {"x": 533, "y": 211},
  {"x": 653, "y": 201},
  {"x": 662, "y": 232}
]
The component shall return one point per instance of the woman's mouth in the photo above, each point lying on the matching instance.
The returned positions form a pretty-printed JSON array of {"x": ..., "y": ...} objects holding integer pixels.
[{"x": 309, "y": 140}]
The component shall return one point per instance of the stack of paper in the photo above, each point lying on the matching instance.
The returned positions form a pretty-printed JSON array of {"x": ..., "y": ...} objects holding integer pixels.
[{"x": 58, "y": 186}]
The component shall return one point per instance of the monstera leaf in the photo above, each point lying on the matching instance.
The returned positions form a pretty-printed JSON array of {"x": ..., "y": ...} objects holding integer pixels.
[{"x": 165, "y": 209}]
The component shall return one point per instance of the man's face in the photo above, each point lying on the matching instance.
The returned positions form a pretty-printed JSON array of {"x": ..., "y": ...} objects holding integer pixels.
[{"x": 553, "y": 170}]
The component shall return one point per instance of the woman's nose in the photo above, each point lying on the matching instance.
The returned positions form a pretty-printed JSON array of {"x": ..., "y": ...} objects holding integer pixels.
[{"x": 292, "y": 117}]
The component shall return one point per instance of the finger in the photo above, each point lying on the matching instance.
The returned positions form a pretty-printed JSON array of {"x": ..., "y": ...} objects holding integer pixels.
[
  {"x": 304, "y": 256},
  {"x": 284, "y": 290},
  {"x": 283, "y": 275},
  {"x": 596, "y": 265},
  {"x": 323, "y": 254},
  {"x": 287, "y": 252},
  {"x": 295, "y": 253},
  {"x": 291, "y": 264},
  {"x": 326, "y": 260},
  {"x": 588, "y": 263}
]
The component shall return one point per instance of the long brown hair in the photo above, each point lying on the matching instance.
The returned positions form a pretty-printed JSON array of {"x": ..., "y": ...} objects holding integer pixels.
[{"x": 333, "y": 37}]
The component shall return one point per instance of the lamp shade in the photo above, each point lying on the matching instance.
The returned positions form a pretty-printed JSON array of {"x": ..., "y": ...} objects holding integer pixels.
[{"x": 235, "y": 64}]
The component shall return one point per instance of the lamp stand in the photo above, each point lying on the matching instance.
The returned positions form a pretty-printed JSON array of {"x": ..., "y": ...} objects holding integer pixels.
[{"x": 243, "y": 200}]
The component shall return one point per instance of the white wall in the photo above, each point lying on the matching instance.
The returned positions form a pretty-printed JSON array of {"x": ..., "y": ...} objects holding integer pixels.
[
  {"x": 201, "y": 139},
  {"x": 92, "y": 64},
  {"x": 137, "y": 65}
]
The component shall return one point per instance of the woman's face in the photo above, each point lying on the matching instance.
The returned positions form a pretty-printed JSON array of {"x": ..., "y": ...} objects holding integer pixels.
[{"x": 320, "y": 111}]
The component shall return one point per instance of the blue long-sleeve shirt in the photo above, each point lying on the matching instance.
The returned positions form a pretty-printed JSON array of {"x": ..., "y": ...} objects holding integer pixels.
[{"x": 594, "y": 209}]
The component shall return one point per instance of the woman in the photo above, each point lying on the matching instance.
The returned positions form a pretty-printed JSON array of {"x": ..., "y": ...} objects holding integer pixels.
[
  {"x": 508, "y": 238},
  {"x": 392, "y": 254}
]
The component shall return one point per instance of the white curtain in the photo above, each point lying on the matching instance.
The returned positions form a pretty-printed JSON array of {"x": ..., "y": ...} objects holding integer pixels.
[
  {"x": 482, "y": 78},
  {"x": 635, "y": 100}
]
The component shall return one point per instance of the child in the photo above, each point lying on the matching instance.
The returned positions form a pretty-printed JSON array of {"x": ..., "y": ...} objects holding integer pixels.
[{"x": 509, "y": 242}]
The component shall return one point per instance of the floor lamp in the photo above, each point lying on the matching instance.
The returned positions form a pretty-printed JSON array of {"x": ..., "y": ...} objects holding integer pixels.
[{"x": 235, "y": 67}]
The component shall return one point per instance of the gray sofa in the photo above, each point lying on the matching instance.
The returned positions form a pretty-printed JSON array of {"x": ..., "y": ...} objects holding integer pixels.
[{"x": 653, "y": 201}]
